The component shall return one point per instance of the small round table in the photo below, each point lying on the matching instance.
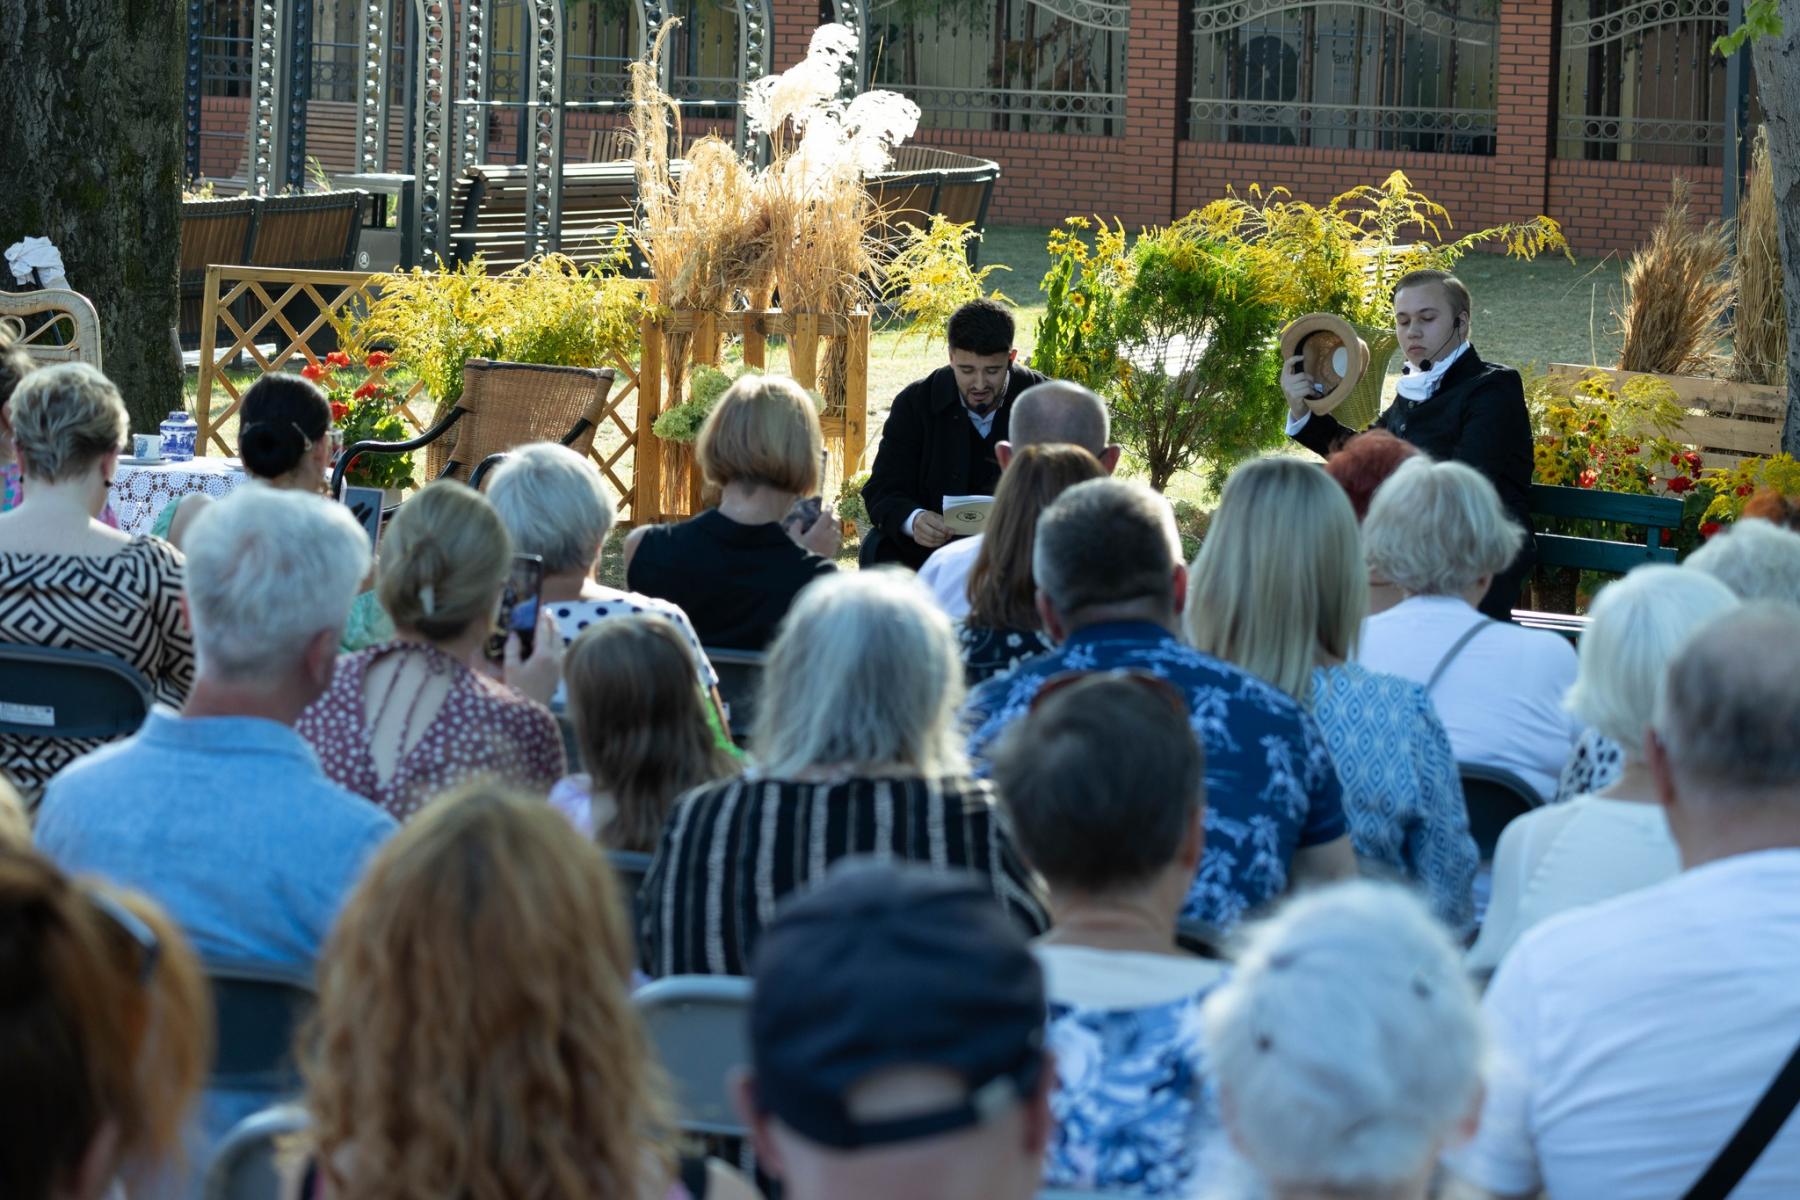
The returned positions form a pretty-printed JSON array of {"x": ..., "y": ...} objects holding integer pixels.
[{"x": 140, "y": 493}]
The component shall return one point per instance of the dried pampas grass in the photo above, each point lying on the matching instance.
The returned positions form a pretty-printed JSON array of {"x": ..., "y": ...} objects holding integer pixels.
[
  {"x": 1677, "y": 289},
  {"x": 1759, "y": 333}
]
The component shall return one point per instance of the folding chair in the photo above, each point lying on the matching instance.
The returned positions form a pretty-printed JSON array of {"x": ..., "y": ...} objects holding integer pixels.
[
  {"x": 258, "y": 1007},
  {"x": 1494, "y": 797},
  {"x": 699, "y": 1025},
  {"x": 62, "y": 692},
  {"x": 740, "y": 678},
  {"x": 245, "y": 1167}
]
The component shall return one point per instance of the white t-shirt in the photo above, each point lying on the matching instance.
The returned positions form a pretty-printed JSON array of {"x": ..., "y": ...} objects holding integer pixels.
[
  {"x": 946, "y": 573},
  {"x": 1084, "y": 977},
  {"x": 1633, "y": 1037},
  {"x": 1567, "y": 855},
  {"x": 1500, "y": 700}
]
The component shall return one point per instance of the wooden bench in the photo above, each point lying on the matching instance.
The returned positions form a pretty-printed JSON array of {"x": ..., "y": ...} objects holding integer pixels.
[
  {"x": 315, "y": 231},
  {"x": 924, "y": 181},
  {"x": 212, "y": 232},
  {"x": 489, "y": 206}
]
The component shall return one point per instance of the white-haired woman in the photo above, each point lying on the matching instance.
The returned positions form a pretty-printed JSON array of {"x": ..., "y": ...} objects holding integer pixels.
[
  {"x": 1759, "y": 560},
  {"x": 1614, "y": 840},
  {"x": 1347, "y": 1046},
  {"x": 859, "y": 755},
  {"x": 70, "y": 581},
  {"x": 1437, "y": 531},
  {"x": 1294, "y": 619}
]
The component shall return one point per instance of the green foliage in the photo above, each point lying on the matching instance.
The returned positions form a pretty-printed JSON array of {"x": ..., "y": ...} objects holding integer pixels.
[
  {"x": 850, "y": 506},
  {"x": 365, "y": 408},
  {"x": 682, "y": 422},
  {"x": 1175, "y": 332},
  {"x": 1762, "y": 18},
  {"x": 930, "y": 278}
]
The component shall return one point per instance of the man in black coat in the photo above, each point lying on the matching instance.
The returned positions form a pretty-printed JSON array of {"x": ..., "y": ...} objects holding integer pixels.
[
  {"x": 941, "y": 435},
  {"x": 1451, "y": 405}
]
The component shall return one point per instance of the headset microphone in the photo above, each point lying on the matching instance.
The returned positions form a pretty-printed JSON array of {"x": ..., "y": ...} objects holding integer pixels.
[{"x": 1455, "y": 328}]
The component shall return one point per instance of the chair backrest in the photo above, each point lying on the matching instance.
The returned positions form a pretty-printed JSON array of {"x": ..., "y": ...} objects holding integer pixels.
[
  {"x": 1494, "y": 796},
  {"x": 315, "y": 231},
  {"x": 61, "y": 692},
  {"x": 245, "y": 1167},
  {"x": 258, "y": 1006},
  {"x": 53, "y": 325},
  {"x": 512, "y": 404},
  {"x": 631, "y": 867},
  {"x": 740, "y": 679},
  {"x": 700, "y": 1026},
  {"x": 1653, "y": 513}
]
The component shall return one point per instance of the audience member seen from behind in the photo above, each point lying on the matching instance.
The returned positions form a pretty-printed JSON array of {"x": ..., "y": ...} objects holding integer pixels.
[
  {"x": 555, "y": 505},
  {"x": 1347, "y": 1047},
  {"x": 1359, "y": 466},
  {"x": 1111, "y": 585},
  {"x": 1105, "y": 786},
  {"x": 1770, "y": 505},
  {"x": 1437, "y": 530},
  {"x": 640, "y": 729},
  {"x": 735, "y": 569},
  {"x": 1055, "y": 412},
  {"x": 1293, "y": 619},
  {"x": 105, "y": 1036},
  {"x": 1641, "y": 1031},
  {"x": 1614, "y": 840},
  {"x": 1003, "y": 627},
  {"x": 1756, "y": 559},
  {"x": 858, "y": 754},
  {"x": 474, "y": 1033},
  {"x": 71, "y": 582},
  {"x": 897, "y": 1043},
  {"x": 406, "y": 720}
]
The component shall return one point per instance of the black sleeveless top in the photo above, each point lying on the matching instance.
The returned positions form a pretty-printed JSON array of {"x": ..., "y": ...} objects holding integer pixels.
[{"x": 734, "y": 582}]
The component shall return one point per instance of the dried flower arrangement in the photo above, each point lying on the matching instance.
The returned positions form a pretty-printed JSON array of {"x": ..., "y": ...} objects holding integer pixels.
[
  {"x": 1677, "y": 291},
  {"x": 1759, "y": 335}
]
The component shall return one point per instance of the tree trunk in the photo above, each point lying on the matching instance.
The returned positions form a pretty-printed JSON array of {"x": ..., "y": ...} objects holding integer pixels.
[
  {"x": 1777, "y": 62},
  {"x": 91, "y": 109}
]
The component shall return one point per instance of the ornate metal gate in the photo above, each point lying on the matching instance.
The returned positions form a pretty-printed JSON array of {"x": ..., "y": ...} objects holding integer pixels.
[{"x": 1640, "y": 81}]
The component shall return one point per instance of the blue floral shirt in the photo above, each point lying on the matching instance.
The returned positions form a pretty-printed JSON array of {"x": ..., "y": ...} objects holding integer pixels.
[{"x": 1271, "y": 788}]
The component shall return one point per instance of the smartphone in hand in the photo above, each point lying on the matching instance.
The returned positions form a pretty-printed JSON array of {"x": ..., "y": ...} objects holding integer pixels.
[
  {"x": 520, "y": 599},
  {"x": 804, "y": 515}
]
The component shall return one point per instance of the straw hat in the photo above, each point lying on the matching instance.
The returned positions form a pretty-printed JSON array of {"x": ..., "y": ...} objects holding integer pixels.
[{"x": 1335, "y": 357}]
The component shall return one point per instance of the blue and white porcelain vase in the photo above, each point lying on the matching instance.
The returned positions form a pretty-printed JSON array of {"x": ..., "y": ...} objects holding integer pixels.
[{"x": 178, "y": 434}]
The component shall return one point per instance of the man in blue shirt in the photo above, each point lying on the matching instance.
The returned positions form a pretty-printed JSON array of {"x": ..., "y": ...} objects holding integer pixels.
[{"x": 1111, "y": 585}]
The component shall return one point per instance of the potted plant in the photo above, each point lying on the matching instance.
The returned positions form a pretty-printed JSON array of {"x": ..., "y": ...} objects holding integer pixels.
[{"x": 366, "y": 407}]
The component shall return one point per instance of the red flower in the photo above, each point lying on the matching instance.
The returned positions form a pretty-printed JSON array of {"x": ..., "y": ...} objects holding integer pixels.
[
  {"x": 337, "y": 358},
  {"x": 1710, "y": 528},
  {"x": 366, "y": 390},
  {"x": 376, "y": 360},
  {"x": 1667, "y": 537},
  {"x": 1693, "y": 460},
  {"x": 339, "y": 410},
  {"x": 1631, "y": 449},
  {"x": 1589, "y": 478},
  {"x": 1745, "y": 490},
  {"x": 312, "y": 371},
  {"x": 1680, "y": 484},
  {"x": 359, "y": 458},
  {"x": 1675, "y": 459}
]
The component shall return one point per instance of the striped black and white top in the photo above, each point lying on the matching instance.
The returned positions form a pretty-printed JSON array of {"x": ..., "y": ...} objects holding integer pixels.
[{"x": 732, "y": 851}]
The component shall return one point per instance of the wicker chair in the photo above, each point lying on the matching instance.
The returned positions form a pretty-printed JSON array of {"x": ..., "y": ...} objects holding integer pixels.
[
  {"x": 213, "y": 232},
  {"x": 53, "y": 325},
  {"x": 503, "y": 405}
]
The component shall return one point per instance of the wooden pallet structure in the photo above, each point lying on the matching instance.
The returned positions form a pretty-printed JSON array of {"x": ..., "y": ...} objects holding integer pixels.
[{"x": 1726, "y": 421}]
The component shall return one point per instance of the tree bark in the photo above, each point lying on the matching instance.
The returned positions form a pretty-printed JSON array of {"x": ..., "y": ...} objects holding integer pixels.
[
  {"x": 1777, "y": 63},
  {"x": 91, "y": 121}
]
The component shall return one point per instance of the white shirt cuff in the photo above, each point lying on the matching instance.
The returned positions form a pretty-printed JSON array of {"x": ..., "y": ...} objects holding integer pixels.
[
  {"x": 1296, "y": 424},
  {"x": 906, "y": 526}
]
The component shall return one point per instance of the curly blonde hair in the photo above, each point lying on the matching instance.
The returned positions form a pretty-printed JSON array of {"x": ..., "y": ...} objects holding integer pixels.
[{"x": 474, "y": 1037}]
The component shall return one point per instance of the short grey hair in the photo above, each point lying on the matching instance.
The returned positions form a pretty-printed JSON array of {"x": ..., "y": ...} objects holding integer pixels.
[
  {"x": 1728, "y": 706},
  {"x": 864, "y": 673},
  {"x": 1347, "y": 1043},
  {"x": 1059, "y": 411},
  {"x": 267, "y": 570},
  {"x": 1434, "y": 528},
  {"x": 1637, "y": 625},
  {"x": 554, "y": 504},
  {"x": 1759, "y": 560},
  {"x": 1106, "y": 541},
  {"x": 64, "y": 418}
]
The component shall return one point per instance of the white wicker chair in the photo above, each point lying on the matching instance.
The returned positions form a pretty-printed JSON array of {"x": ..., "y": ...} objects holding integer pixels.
[{"x": 53, "y": 325}]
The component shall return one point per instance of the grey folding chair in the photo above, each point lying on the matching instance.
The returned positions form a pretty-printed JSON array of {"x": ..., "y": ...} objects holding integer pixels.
[
  {"x": 258, "y": 1007},
  {"x": 740, "y": 678},
  {"x": 245, "y": 1167},
  {"x": 699, "y": 1025},
  {"x": 1495, "y": 796},
  {"x": 61, "y": 692}
]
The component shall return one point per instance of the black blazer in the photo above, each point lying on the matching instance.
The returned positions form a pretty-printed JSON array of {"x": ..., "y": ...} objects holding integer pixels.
[
  {"x": 1477, "y": 416},
  {"x": 925, "y": 449}
]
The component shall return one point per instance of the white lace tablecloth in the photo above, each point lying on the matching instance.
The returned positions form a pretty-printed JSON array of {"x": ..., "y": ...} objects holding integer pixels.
[{"x": 140, "y": 493}]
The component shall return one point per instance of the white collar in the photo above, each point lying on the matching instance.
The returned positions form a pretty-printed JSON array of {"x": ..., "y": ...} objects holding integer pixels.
[{"x": 1416, "y": 385}]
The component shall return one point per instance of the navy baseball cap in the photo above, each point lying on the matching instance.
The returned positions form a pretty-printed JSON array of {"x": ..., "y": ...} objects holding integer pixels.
[{"x": 887, "y": 966}]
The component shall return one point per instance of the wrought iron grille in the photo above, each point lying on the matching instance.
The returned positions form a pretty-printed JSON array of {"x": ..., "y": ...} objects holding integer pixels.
[
  {"x": 1640, "y": 82},
  {"x": 225, "y": 48},
  {"x": 1365, "y": 74},
  {"x": 1034, "y": 66},
  {"x": 601, "y": 41}
]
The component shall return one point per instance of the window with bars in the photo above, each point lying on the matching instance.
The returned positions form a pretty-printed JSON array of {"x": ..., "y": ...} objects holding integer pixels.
[
  {"x": 1033, "y": 66},
  {"x": 1370, "y": 75},
  {"x": 600, "y": 43},
  {"x": 1640, "y": 83}
]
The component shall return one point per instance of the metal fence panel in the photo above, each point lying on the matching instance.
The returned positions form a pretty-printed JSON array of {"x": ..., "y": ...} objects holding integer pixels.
[{"x": 1640, "y": 82}]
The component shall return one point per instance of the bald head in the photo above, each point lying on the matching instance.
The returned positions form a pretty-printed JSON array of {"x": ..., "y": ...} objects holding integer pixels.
[
  {"x": 1729, "y": 704},
  {"x": 1056, "y": 411}
]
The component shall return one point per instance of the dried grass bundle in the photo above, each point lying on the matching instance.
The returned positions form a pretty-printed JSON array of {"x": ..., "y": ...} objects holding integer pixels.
[
  {"x": 1759, "y": 334},
  {"x": 1677, "y": 289}
]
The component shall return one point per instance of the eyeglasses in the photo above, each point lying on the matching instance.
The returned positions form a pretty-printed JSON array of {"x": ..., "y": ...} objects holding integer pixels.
[
  {"x": 1151, "y": 682},
  {"x": 131, "y": 931}
]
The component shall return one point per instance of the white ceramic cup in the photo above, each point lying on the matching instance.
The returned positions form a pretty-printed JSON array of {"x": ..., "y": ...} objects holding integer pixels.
[{"x": 146, "y": 445}]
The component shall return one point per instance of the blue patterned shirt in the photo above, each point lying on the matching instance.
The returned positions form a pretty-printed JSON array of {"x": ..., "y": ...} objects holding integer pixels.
[
  {"x": 1270, "y": 785},
  {"x": 1402, "y": 795}
]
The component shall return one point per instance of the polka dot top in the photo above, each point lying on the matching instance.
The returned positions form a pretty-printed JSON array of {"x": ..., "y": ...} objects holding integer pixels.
[{"x": 483, "y": 728}]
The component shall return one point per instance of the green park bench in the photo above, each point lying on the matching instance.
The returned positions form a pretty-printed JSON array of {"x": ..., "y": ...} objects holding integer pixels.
[{"x": 1651, "y": 513}]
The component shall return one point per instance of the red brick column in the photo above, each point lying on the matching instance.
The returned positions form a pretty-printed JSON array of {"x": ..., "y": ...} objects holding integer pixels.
[
  {"x": 1140, "y": 177},
  {"x": 1527, "y": 99},
  {"x": 795, "y": 21}
]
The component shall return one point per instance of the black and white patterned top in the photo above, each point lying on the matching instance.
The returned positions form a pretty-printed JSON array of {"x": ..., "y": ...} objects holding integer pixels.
[
  {"x": 573, "y": 616},
  {"x": 1596, "y": 764},
  {"x": 990, "y": 652}
]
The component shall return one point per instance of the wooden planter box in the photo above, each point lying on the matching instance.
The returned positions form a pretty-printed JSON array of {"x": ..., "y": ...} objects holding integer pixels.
[
  {"x": 846, "y": 430},
  {"x": 1726, "y": 421}
]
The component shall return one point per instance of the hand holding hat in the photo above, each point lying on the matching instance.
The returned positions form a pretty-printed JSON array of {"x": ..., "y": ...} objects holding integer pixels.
[{"x": 1331, "y": 359}]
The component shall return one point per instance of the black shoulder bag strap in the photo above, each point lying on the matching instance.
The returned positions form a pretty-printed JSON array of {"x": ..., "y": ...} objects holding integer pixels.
[
  {"x": 1455, "y": 649},
  {"x": 1752, "y": 1137}
]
